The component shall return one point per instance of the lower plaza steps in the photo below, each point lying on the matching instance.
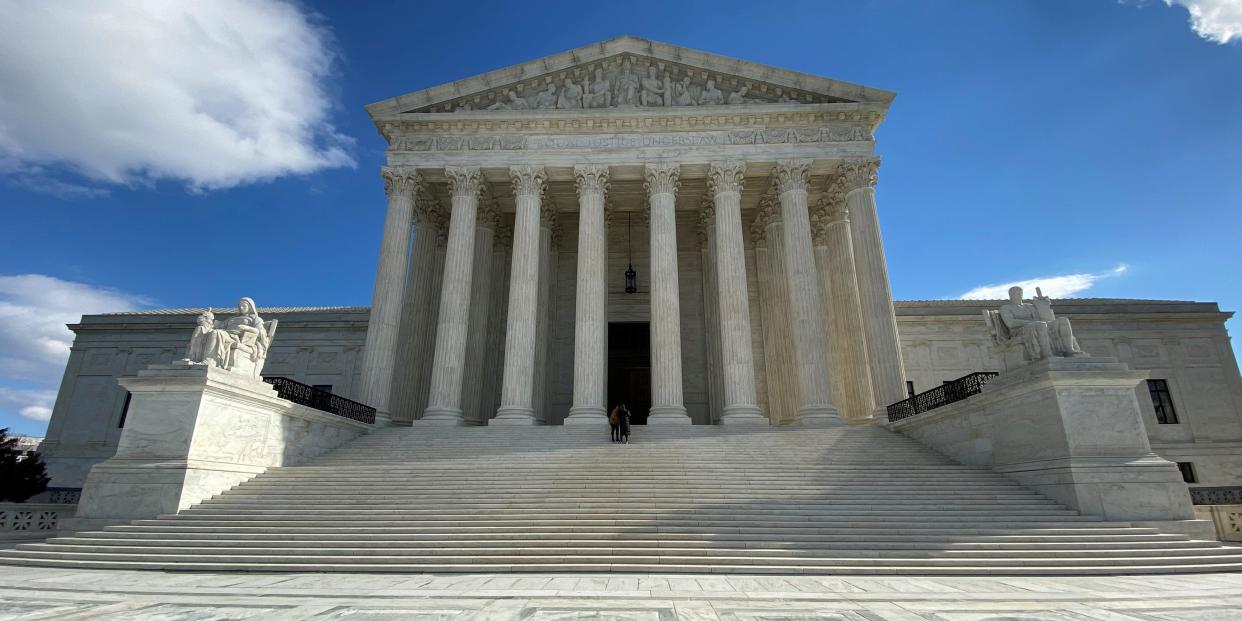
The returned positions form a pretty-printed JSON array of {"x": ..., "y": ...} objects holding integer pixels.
[{"x": 684, "y": 499}]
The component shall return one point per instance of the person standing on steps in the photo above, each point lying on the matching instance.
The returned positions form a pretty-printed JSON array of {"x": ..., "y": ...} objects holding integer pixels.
[
  {"x": 614, "y": 421},
  {"x": 623, "y": 414}
]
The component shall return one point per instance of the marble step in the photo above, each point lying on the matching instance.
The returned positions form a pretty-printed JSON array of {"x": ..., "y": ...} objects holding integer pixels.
[
  {"x": 954, "y": 547},
  {"x": 622, "y": 553},
  {"x": 1013, "y": 521},
  {"x": 481, "y": 504},
  {"x": 637, "y": 540},
  {"x": 1077, "y": 530},
  {"x": 482, "y": 562},
  {"x": 955, "y": 569}
]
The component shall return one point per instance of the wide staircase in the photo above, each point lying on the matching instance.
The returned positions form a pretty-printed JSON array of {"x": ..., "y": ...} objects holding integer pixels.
[{"x": 691, "y": 499}]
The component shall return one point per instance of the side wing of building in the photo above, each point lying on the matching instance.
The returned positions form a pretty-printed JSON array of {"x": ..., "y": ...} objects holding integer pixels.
[{"x": 1195, "y": 382}]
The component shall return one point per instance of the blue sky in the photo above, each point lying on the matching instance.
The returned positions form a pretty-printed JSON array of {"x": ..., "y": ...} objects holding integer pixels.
[{"x": 1092, "y": 140}]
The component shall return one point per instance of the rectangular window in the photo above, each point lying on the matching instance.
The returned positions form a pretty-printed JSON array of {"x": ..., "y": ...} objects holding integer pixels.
[
  {"x": 1188, "y": 471},
  {"x": 909, "y": 388},
  {"x": 323, "y": 387},
  {"x": 1162, "y": 401},
  {"x": 125, "y": 410}
]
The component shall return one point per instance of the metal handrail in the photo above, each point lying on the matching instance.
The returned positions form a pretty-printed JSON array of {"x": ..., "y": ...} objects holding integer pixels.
[
  {"x": 944, "y": 394},
  {"x": 323, "y": 400}
]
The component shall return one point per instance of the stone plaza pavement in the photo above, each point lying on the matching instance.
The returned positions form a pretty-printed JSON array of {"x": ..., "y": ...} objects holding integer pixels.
[{"x": 37, "y": 593}]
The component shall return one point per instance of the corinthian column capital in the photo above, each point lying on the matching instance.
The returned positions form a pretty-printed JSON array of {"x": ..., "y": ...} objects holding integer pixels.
[
  {"x": 662, "y": 178},
  {"x": 859, "y": 172},
  {"x": 723, "y": 177},
  {"x": 528, "y": 180},
  {"x": 403, "y": 180},
  {"x": 464, "y": 180},
  {"x": 591, "y": 179},
  {"x": 790, "y": 175}
]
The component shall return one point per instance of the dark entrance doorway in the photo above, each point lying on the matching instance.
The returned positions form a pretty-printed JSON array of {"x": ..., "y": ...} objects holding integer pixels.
[{"x": 629, "y": 368}]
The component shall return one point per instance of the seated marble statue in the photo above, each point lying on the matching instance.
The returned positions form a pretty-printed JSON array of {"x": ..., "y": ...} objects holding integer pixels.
[
  {"x": 711, "y": 96},
  {"x": 599, "y": 94},
  {"x": 1041, "y": 333},
  {"x": 238, "y": 344}
]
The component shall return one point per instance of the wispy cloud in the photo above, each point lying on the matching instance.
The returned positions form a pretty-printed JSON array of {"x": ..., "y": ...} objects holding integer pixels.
[
  {"x": 211, "y": 94},
  {"x": 1218, "y": 21},
  {"x": 34, "y": 341},
  {"x": 1062, "y": 286}
]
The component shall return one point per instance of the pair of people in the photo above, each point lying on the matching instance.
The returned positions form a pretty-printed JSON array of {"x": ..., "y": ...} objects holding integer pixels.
[{"x": 619, "y": 420}]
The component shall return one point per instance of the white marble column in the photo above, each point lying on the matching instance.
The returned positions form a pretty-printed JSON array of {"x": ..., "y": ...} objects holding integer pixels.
[
  {"x": 549, "y": 244},
  {"x": 426, "y": 355},
  {"x": 667, "y": 405},
  {"x": 517, "y": 388},
  {"x": 879, "y": 321},
  {"x": 711, "y": 318},
  {"x": 448, "y": 365},
  {"x": 847, "y": 347},
  {"x": 480, "y": 312},
  {"x": 805, "y": 314},
  {"x": 499, "y": 307},
  {"x": 732, "y": 301},
  {"x": 590, "y": 324},
  {"x": 380, "y": 353},
  {"x": 417, "y": 313},
  {"x": 769, "y": 233}
]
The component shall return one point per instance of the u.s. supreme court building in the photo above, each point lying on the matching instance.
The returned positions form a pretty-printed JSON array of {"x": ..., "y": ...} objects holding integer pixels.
[{"x": 693, "y": 235}]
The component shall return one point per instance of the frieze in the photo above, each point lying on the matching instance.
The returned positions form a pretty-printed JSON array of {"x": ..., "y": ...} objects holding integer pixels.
[
  {"x": 865, "y": 119},
  {"x": 785, "y": 135}
]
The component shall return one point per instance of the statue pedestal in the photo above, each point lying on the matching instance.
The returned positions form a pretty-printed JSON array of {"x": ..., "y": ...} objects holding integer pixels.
[
  {"x": 194, "y": 431},
  {"x": 1069, "y": 428}
]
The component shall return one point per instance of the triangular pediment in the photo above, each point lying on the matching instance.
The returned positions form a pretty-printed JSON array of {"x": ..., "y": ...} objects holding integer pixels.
[{"x": 628, "y": 72}]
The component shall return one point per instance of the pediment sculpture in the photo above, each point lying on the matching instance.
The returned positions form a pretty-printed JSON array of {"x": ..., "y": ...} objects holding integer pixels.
[
  {"x": 1032, "y": 325},
  {"x": 238, "y": 344},
  {"x": 630, "y": 82}
]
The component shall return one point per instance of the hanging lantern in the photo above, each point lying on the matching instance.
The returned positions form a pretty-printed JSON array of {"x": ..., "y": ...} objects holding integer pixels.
[{"x": 631, "y": 277}]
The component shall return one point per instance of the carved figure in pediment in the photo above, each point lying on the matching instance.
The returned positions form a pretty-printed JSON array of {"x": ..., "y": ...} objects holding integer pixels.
[
  {"x": 627, "y": 86},
  {"x": 681, "y": 93},
  {"x": 711, "y": 96},
  {"x": 739, "y": 96},
  {"x": 599, "y": 91},
  {"x": 463, "y": 108},
  {"x": 571, "y": 96},
  {"x": 512, "y": 102},
  {"x": 546, "y": 100},
  {"x": 654, "y": 88}
]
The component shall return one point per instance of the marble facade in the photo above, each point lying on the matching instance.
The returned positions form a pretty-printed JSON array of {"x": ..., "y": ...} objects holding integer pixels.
[
  {"x": 629, "y": 126},
  {"x": 743, "y": 195}
]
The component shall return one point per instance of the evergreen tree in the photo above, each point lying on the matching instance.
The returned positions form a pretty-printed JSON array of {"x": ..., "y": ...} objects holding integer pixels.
[{"x": 20, "y": 476}]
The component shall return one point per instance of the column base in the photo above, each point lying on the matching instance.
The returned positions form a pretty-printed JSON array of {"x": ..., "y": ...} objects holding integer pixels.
[
  {"x": 441, "y": 417},
  {"x": 524, "y": 417},
  {"x": 587, "y": 416},
  {"x": 383, "y": 419},
  {"x": 743, "y": 415},
  {"x": 819, "y": 416},
  {"x": 668, "y": 415}
]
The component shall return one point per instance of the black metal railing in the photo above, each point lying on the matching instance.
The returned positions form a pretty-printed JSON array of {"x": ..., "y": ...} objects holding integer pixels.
[
  {"x": 944, "y": 394},
  {"x": 312, "y": 397},
  {"x": 1216, "y": 495}
]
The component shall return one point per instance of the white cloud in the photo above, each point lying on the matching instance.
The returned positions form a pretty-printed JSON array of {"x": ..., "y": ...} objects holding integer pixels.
[
  {"x": 34, "y": 342},
  {"x": 32, "y": 403},
  {"x": 1218, "y": 21},
  {"x": 1063, "y": 286},
  {"x": 213, "y": 94}
]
